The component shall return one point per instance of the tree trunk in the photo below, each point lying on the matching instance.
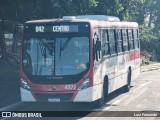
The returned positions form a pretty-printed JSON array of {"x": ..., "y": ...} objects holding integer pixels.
[
  {"x": 2, "y": 41},
  {"x": 14, "y": 45},
  {"x": 150, "y": 18}
]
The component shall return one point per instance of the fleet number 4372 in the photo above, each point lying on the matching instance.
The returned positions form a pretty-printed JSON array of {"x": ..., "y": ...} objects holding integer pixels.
[{"x": 70, "y": 87}]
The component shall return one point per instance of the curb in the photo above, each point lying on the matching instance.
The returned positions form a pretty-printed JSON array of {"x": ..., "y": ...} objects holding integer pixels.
[{"x": 150, "y": 67}]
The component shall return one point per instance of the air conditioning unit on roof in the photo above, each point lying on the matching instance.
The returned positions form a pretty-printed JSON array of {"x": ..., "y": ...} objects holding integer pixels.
[
  {"x": 68, "y": 17},
  {"x": 98, "y": 17}
]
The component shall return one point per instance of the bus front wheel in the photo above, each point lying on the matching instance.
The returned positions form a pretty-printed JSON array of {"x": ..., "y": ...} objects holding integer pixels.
[{"x": 102, "y": 100}]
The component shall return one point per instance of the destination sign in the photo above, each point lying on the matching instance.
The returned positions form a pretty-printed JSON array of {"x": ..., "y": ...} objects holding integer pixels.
[{"x": 56, "y": 28}]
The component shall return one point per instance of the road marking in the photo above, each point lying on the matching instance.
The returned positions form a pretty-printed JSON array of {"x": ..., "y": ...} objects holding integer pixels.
[
  {"x": 104, "y": 109},
  {"x": 145, "y": 84},
  {"x": 5, "y": 118},
  {"x": 130, "y": 99},
  {"x": 10, "y": 107},
  {"x": 114, "y": 103},
  {"x": 140, "y": 87},
  {"x": 108, "y": 107},
  {"x": 134, "y": 97}
]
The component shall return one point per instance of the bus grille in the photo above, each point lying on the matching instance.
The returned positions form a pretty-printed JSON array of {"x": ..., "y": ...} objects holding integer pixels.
[{"x": 62, "y": 97}]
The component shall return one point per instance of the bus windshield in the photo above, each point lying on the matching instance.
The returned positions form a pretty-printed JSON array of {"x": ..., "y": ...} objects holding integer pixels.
[{"x": 56, "y": 56}]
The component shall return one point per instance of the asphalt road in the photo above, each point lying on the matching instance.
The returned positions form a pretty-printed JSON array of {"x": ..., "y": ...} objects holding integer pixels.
[
  {"x": 143, "y": 96},
  {"x": 9, "y": 84}
]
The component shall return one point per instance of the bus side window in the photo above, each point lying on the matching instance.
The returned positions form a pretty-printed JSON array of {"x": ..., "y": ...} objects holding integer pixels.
[
  {"x": 112, "y": 41},
  {"x": 138, "y": 38},
  {"x": 131, "y": 40},
  {"x": 105, "y": 43},
  {"x": 136, "y": 42},
  {"x": 125, "y": 41},
  {"x": 119, "y": 41}
]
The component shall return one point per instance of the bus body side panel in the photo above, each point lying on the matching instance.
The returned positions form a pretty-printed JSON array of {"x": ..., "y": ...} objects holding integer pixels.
[
  {"x": 123, "y": 66},
  {"x": 110, "y": 69},
  {"x": 137, "y": 64},
  {"x": 26, "y": 96},
  {"x": 97, "y": 82},
  {"x": 90, "y": 94},
  {"x": 135, "y": 73},
  {"x": 84, "y": 95},
  {"x": 116, "y": 68}
]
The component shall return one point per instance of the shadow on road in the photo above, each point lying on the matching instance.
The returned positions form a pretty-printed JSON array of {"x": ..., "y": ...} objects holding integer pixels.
[
  {"x": 69, "y": 109},
  {"x": 9, "y": 84},
  {"x": 9, "y": 94}
]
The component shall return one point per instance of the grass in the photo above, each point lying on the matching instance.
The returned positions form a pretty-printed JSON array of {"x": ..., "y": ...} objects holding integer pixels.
[{"x": 146, "y": 61}]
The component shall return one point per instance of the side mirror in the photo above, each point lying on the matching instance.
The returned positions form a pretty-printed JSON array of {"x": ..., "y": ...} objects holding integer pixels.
[{"x": 98, "y": 45}]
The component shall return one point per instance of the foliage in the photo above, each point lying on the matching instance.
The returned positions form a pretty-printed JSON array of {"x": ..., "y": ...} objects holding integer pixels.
[
  {"x": 13, "y": 12},
  {"x": 150, "y": 40}
]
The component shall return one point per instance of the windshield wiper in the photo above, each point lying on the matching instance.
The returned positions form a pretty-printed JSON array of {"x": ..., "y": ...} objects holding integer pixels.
[
  {"x": 65, "y": 44},
  {"x": 62, "y": 48}
]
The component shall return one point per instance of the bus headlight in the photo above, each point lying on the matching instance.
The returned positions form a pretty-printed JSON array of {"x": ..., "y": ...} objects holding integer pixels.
[
  {"x": 84, "y": 84},
  {"x": 25, "y": 85}
]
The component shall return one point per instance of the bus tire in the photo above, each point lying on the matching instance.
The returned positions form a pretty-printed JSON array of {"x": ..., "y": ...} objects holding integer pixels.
[
  {"x": 100, "y": 102},
  {"x": 128, "y": 86}
]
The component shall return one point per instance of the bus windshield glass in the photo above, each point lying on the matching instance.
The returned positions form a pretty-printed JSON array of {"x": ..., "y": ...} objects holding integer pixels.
[{"x": 56, "y": 56}]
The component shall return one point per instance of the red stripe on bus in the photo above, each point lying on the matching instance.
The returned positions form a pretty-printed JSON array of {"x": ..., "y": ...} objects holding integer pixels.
[{"x": 133, "y": 55}]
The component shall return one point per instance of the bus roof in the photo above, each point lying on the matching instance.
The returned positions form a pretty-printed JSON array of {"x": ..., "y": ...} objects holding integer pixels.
[
  {"x": 94, "y": 20},
  {"x": 80, "y": 18},
  {"x": 56, "y": 20}
]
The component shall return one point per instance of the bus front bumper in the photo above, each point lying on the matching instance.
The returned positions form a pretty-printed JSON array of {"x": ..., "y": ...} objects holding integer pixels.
[{"x": 85, "y": 95}]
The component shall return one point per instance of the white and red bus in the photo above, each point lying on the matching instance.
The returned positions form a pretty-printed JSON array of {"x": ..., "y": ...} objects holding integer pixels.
[{"x": 78, "y": 59}]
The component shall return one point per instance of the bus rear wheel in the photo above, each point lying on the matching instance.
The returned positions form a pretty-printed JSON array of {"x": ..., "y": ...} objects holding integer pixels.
[{"x": 128, "y": 86}]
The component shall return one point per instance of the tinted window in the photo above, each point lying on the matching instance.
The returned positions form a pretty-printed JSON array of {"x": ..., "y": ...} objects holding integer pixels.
[
  {"x": 125, "y": 40},
  {"x": 136, "y": 42},
  {"x": 119, "y": 40},
  {"x": 105, "y": 43},
  {"x": 112, "y": 41},
  {"x": 131, "y": 40}
]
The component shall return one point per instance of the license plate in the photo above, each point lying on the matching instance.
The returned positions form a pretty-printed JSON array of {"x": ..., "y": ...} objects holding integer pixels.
[{"x": 54, "y": 100}]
